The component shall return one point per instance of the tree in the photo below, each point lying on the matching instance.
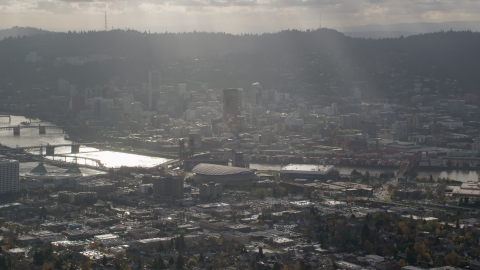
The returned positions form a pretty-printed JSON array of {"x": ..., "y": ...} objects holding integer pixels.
[
  {"x": 192, "y": 262},
  {"x": 104, "y": 260},
  {"x": 47, "y": 266},
  {"x": 449, "y": 163},
  {"x": 261, "y": 193},
  {"x": 201, "y": 258},
  {"x": 181, "y": 242},
  {"x": 172, "y": 244},
  {"x": 58, "y": 264},
  {"x": 410, "y": 256},
  {"x": 260, "y": 253},
  {"x": 452, "y": 259},
  {"x": 367, "y": 176},
  {"x": 431, "y": 178},
  {"x": 180, "y": 262},
  {"x": 43, "y": 213},
  {"x": 161, "y": 263},
  {"x": 171, "y": 261},
  {"x": 277, "y": 266},
  {"x": 161, "y": 248},
  {"x": 139, "y": 264},
  {"x": 38, "y": 257},
  {"x": 365, "y": 231}
]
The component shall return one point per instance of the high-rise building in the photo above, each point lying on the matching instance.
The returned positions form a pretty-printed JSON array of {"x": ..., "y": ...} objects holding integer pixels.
[
  {"x": 77, "y": 103},
  {"x": 240, "y": 99},
  {"x": 154, "y": 85},
  {"x": 456, "y": 106},
  {"x": 350, "y": 121},
  {"x": 63, "y": 86},
  {"x": 230, "y": 109},
  {"x": 116, "y": 116},
  {"x": 182, "y": 89},
  {"x": 127, "y": 100},
  {"x": 167, "y": 187},
  {"x": 257, "y": 94},
  {"x": 9, "y": 176},
  {"x": 101, "y": 107},
  {"x": 412, "y": 122},
  {"x": 137, "y": 111},
  {"x": 256, "y": 112}
]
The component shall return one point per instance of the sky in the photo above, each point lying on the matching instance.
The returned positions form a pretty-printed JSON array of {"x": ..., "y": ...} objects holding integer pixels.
[{"x": 233, "y": 16}]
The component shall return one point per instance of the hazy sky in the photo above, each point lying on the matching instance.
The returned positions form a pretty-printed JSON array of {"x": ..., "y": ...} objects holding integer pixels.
[{"x": 235, "y": 16}]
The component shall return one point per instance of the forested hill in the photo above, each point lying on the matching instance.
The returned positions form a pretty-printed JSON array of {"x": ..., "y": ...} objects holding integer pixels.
[
  {"x": 20, "y": 31},
  {"x": 443, "y": 55}
]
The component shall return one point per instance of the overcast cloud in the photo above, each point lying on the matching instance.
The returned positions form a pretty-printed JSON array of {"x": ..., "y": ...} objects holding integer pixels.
[{"x": 235, "y": 16}]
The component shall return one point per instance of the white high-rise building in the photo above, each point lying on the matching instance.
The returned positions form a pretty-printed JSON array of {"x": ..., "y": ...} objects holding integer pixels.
[
  {"x": 9, "y": 176},
  {"x": 257, "y": 94}
]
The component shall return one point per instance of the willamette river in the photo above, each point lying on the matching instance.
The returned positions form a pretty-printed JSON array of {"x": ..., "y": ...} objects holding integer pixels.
[
  {"x": 458, "y": 175},
  {"x": 31, "y": 137}
]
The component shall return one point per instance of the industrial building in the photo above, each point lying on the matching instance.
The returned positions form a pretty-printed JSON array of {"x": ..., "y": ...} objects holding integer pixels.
[
  {"x": 306, "y": 171},
  {"x": 76, "y": 197}
]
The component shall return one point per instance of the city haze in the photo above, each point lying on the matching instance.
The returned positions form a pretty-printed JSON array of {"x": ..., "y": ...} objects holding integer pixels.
[{"x": 229, "y": 16}]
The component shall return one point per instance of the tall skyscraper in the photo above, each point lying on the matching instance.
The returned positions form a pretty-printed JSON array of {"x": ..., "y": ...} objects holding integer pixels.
[
  {"x": 241, "y": 98},
  {"x": 9, "y": 176},
  {"x": 257, "y": 94},
  {"x": 154, "y": 85},
  {"x": 230, "y": 109}
]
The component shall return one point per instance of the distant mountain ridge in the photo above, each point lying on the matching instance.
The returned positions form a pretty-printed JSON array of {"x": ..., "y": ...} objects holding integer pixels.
[
  {"x": 283, "y": 60},
  {"x": 21, "y": 31},
  {"x": 406, "y": 29}
]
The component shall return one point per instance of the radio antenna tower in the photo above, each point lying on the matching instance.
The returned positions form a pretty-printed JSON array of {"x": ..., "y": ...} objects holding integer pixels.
[
  {"x": 106, "y": 29},
  {"x": 320, "y": 22}
]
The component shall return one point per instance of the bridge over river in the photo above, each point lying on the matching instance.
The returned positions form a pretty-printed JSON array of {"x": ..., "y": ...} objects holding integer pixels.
[{"x": 41, "y": 129}]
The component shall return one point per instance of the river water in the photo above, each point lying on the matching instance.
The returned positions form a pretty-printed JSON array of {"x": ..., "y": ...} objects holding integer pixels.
[
  {"x": 31, "y": 137},
  {"x": 458, "y": 175}
]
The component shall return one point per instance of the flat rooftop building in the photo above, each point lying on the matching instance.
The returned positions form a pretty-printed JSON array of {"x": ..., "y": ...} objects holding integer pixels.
[{"x": 306, "y": 171}]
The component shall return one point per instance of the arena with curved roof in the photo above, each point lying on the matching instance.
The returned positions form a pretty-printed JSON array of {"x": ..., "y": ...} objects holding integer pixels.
[{"x": 222, "y": 174}]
